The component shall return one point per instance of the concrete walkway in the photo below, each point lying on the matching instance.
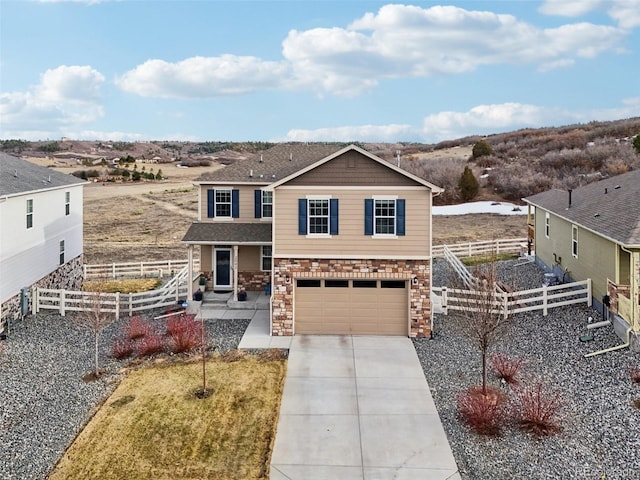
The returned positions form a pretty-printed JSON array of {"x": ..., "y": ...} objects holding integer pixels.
[{"x": 358, "y": 408}]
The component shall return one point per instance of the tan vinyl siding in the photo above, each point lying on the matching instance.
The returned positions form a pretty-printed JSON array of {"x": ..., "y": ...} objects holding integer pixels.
[
  {"x": 351, "y": 239},
  {"x": 352, "y": 169},
  {"x": 248, "y": 258},
  {"x": 206, "y": 255},
  {"x": 247, "y": 199}
]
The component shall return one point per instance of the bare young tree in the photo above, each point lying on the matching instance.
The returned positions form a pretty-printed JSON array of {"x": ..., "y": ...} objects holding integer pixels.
[
  {"x": 483, "y": 321},
  {"x": 96, "y": 317}
]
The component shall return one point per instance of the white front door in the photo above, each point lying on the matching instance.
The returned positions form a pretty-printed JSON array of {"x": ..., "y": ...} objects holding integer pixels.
[{"x": 222, "y": 268}]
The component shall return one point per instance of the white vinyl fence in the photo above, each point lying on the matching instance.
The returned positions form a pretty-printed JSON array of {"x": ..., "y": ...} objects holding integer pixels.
[
  {"x": 159, "y": 269},
  {"x": 472, "y": 249},
  {"x": 507, "y": 303},
  {"x": 64, "y": 301}
]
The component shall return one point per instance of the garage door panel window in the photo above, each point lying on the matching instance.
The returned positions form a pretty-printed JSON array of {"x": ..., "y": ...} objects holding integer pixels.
[
  {"x": 336, "y": 283},
  {"x": 392, "y": 284},
  {"x": 365, "y": 284},
  {"x": 308, "y": 283}
]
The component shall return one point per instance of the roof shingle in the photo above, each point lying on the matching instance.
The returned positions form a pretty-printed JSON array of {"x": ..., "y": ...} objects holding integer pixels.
[
  {"x": 228, "y": 233},
  {"x": 19, "y": 176},
  {"x": 610, "y": 207}
]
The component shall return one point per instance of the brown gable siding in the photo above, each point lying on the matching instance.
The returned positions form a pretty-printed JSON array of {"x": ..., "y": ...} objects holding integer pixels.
[{"x": 352, "y": 169}]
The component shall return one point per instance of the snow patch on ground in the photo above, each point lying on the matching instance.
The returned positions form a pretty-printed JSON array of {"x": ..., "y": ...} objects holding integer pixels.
[{"x": 501, "y": 208}]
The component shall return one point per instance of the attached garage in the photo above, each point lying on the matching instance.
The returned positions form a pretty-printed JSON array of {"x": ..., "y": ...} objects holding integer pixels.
[{"x": 351, "y": 306}]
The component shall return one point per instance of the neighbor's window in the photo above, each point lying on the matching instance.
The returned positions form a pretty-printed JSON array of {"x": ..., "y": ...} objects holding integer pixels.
[
  {"x": 267, "y": 204},
  {"x": 61, "y": 252},
  {"x": 67, "y": 203},
  {"x": 574, "y": 240},
  {"x": 30, "y": 213},
  {"x": 223, "y": 203},
  {"x": 318, "y": 216},
  {"x": 385, "y": 217},
  {"x": 266, "y": 257},
  {"x": 546, "y": 225}
]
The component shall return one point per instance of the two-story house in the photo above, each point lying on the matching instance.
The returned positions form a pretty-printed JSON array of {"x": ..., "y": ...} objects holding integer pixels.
[
  {"x": 339, "y": 237},
  {"x": 41, "y": 215}
]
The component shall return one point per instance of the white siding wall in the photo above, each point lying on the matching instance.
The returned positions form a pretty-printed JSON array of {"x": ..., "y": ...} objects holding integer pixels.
[{"x": 27, "y": 255}]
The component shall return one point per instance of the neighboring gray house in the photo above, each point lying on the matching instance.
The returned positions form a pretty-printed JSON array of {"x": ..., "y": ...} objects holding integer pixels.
[
  {"x": 41, "y": 240},
  {"x": 594, "y": 232}
]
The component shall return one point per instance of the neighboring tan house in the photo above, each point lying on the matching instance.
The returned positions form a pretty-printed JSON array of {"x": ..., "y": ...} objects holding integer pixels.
[
  {"x": 594, "y": 232},
  {"x": 339, "y": 238},
  {"x": 41, "y": 214}
]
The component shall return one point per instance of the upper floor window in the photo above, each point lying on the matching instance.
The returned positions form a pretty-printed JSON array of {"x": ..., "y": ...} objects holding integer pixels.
[
  {"x": 67, "y": 203},
  {"x": 574, "y": 240},
  {"x": 30, "y": 213},
  {"x": 223, "y": 203},
  {"x": 267, "y": 204},
  {"x": 384, "y": 216},
  {"x": 547, "y": 228},
  {"x": 318, "y": 216}
]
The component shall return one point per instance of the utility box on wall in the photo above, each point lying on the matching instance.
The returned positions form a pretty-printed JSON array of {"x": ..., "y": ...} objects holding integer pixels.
[{"x": 24, "y": 301}]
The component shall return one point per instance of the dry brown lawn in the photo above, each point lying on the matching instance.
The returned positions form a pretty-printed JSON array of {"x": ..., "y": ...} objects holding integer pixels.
[{"x": 154, "y": 427}]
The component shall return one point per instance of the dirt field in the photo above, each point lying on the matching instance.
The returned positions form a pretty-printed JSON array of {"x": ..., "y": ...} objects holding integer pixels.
[{"x": 134, "y": 222}]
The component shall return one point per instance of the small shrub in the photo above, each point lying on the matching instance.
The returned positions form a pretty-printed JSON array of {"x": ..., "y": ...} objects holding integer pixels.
[
  {"x": 506, "y": 367},
  {"x": 150, "y": 345},
  {"x": 634, "y": 372},
  {"x": 185, "y": 333},
  {"x": 122, "y": 348},
  {"x": 137, "y": 328},
  {"x": 536, "y": 409},
  {"x": 272, "y": 355},
  {"x": 232, "y": 356},
  {"x": 482, "y": 412}
]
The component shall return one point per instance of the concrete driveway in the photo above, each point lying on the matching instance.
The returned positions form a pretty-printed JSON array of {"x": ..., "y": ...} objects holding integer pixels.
[{"x": 358, "y": 408}]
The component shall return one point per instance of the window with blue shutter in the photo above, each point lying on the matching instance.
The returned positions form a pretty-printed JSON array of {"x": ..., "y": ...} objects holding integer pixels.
[
  {"x": 235, "y": 203},
  {"x": 257, "y": 203},
  {"x": 223, "y": 203},
  {"x": 400, "y": 214},
  {"x": 368, "y": 216},
  {"x": 302, "y": 216},
  {"x": 211, "y": 203},
  {"x": 333, "y": 216}
]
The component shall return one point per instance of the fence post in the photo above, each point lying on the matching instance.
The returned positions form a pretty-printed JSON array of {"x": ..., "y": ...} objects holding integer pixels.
[
  {"x": 113, "y": 270},
  {"x": 84, "y": 267},
  {"x": 117, "y": 309},
  {"x": 444, "y": 300},
  {"x": 589, "y": 293},
  {"x": 36, "y": 300},
  {"x": 505, "y": 304},
  {"x": 544, "y": 300},
  {"x": 160, "y": 273},
  {"x": 130, "y": 304},
  {"x": 62, "y": 300}
]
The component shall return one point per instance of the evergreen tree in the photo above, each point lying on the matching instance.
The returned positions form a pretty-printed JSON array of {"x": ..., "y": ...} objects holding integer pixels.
[
  {"x": 481, "y": 149},
  {"x": 468, "y": 185}
]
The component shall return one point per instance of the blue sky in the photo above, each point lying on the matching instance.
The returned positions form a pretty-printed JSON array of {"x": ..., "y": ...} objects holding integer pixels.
[{"x": 313, "y": 70}]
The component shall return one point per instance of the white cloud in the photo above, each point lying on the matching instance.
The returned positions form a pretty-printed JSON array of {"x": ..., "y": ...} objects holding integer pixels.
[
  {"x": 66, "y": 96},
  {"x": 198, "y": 77},
  {"x": 373, "y": 133},
  {"x": 398, "y": 41},
  {"x": 625, "y": 12}
]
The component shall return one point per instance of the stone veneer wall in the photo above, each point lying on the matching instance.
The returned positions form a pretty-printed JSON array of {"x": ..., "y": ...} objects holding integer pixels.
[
  {"x": 255, "y": 281},
  {"x": 282, "y": 290},
  {"x": 68, "y": 276}
]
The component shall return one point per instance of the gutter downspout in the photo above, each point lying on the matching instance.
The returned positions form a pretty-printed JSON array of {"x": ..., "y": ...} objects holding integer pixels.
[
  {"x": 632, "y": 287},
  {"x": 606, "y": 350},
  {"x": 431, "y": 262}
]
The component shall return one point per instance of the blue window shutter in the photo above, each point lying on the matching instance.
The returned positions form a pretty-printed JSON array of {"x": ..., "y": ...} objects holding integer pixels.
[
  {"x": 302, "y": 216},
  {"x": 235, "y": 203},
  {"x": 333, "y": 216},
  {"x": 211, "y": 203},
  {"x": 368, "y": 216},
  {"x": 257, "y": 196},
  {"x": 400, "y": 209}
]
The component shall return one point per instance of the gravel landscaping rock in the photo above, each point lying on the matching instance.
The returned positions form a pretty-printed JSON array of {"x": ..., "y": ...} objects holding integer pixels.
[
  {"x": 600, "y": 436},
  {"x": 44, "y": 403}
]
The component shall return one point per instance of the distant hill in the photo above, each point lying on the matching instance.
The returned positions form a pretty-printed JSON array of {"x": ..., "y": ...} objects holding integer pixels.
[{"x": 521, "y": 163}]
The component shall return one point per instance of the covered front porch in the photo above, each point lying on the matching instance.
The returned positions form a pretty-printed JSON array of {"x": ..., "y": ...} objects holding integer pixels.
[{"x": 235, "y": 258}]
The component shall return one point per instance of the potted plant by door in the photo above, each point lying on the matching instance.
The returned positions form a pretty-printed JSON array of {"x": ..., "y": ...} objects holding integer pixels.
[
  {"x": 242, "y": 294},
  {"x": 203, "y": 282}
]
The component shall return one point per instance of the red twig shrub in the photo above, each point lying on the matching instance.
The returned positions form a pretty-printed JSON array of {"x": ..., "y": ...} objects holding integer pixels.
[
  {"x": 482, "y": 411},
  {"x": 536, "y": 409},
  {"x": 137, "y": 328},
  {"x": 506, "y": 367},
  {"x": 150, "y": 344},
  {"x": 634, "y": 372},
  {"x": 185, "y": 333},
  {"x": 122, "y": 348}
]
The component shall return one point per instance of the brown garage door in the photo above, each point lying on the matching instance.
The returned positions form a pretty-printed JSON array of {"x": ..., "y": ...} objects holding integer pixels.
[{"x": 365, "y": 307}]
